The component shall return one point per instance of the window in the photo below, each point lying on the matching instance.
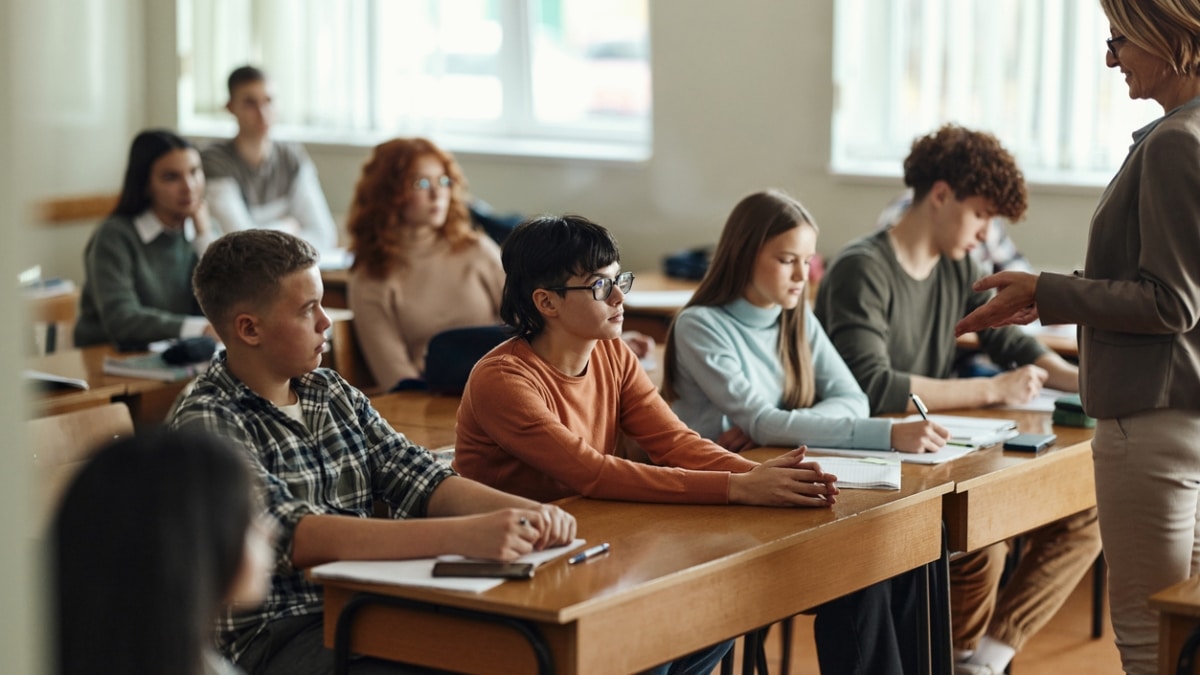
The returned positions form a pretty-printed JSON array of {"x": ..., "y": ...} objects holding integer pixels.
[
  {"x": 474, "y": 73},
  {"x": 1030, "y": 71}
]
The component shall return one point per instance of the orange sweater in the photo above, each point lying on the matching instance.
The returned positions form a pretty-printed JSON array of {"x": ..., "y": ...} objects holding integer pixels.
[{"x": 526, "y": 428}]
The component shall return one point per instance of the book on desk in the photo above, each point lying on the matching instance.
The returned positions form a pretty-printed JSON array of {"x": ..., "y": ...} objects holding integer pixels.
[{"x": 153, "y": 367}]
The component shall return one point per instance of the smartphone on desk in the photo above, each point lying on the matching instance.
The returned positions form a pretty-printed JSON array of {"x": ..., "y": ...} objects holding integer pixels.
[
  {"x": 483, "y": 568},
  {"x": 1030, "y": 442}
]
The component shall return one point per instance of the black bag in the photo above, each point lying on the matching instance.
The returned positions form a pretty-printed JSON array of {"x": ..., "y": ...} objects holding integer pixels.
[
  {"x": 453, "y": 353},
  {"x": 190, "y": 350}
]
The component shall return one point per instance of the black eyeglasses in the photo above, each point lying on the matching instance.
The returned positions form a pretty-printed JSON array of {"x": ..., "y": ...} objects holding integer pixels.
[
  {"x": 602, "y": 288},
  {"x": 1112, "y": 43},
  {"x": 427, "y": 183}
]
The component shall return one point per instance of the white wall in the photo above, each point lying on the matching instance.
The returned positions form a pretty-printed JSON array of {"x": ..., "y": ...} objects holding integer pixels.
[{"x": 743, "y": 96}]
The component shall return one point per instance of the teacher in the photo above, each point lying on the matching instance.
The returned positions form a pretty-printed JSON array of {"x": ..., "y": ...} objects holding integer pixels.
[{"x": 1137, "y": 303}]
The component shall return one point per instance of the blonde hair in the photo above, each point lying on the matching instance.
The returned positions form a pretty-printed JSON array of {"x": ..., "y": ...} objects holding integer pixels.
[
  {"x": 1168, "y": 29},
  {"x": 755, "y": 220}
]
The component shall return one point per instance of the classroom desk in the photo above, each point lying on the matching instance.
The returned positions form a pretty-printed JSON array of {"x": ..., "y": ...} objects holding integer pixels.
[
  {"x": 148, "y": 400},
  {"x": 335, "y": 282},
  {"x": 1066, "y": 346},
  {"x": 653, "y": 316},
  {"x": 1178, "y": 618},
  {"x": 1000, "y": 494},
  {"x": 678, "y": 578}
]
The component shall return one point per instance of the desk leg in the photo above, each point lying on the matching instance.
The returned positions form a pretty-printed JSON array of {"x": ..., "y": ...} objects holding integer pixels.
[
  {"x": 938, "y": 654},
  {"x": 345, "y": 624},
  {"x": 941, "y": 641}
]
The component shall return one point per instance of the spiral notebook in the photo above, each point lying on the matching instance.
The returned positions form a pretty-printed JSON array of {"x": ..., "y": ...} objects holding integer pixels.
[{"x": 868, "y": 473}]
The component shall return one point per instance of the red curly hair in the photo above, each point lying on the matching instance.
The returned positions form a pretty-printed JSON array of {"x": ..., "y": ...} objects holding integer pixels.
[{"x": 383, "y": 192}]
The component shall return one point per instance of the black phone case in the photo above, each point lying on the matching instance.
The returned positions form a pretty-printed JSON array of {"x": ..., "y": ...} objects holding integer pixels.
[
  {"x": 1030, "y": 442},
  {"x": 476, "y": 568}
]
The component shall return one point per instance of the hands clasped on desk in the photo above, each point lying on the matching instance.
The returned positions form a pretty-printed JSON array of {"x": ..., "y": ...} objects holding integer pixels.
[{"x": 786, "y": 480}]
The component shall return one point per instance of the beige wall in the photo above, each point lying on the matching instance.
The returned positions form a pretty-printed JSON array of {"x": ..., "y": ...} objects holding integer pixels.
[{"x": 743, "y": 96}]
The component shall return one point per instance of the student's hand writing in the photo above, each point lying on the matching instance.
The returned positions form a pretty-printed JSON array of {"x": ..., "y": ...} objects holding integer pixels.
[
  {"x": 1013, "y": 303},
  {"x": 919, "y": 436},
  {"x": 1018, "y": 386},
  {"x": 506, "y": 534},
  {"x": 785, "y": 480},
  {"x": 555, "y": 527},
  {"x": 736, "y": 440},
  {"x": 641, "y": 344}
]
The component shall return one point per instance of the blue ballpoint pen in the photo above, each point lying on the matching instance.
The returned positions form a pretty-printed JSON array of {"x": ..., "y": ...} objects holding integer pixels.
[{"x": 588, "y": 553}]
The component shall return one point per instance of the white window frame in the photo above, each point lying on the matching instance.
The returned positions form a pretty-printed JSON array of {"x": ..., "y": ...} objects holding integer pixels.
[
  {"x": 1030, "y": 71},
  {"x": 516, "y": 132}
]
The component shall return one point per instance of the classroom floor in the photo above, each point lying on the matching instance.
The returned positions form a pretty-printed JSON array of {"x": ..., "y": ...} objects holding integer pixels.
[{"x": 1065, "y": 645}]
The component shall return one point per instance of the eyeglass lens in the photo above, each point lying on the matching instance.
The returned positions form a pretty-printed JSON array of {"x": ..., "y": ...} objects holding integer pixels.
[
  {"x": 427, "y": 183},
  {"x": 603, "y": 287}
]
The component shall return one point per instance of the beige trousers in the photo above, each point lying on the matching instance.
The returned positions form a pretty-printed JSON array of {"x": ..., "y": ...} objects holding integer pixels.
[{"x": 1147, "y": 488}]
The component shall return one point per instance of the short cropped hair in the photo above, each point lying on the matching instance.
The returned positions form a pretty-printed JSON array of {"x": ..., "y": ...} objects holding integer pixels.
[
  {"x": 972, "y": 163},
  {"x": 244, "y": 75},
  {"x": 1168, "y": 29},
  {"x": 245, "y": 268},
  {"x": 543, "y": 252}
]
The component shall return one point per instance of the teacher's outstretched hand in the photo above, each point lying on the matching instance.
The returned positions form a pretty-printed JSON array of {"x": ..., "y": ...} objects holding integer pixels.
[{"x": 1014, "y": 302}]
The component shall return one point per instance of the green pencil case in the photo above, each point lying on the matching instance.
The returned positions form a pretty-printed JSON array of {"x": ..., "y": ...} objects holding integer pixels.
[{"x": 1068, "y": 412}]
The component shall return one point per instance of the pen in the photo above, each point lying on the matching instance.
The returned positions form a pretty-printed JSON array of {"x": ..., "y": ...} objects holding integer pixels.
[
  {"x": 588, "y": 553},
  {"x": 920, "y": 406}
]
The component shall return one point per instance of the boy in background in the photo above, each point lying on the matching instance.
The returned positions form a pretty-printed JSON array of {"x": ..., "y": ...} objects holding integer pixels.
[{"x": 254, "y": 181}]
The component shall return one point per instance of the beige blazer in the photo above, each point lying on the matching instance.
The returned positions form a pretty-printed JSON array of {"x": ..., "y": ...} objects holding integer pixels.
[{"x": 1137, "y": 301}]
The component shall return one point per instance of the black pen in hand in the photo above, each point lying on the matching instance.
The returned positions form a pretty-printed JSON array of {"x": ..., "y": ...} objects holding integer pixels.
[{"x": 920, "y": 406}]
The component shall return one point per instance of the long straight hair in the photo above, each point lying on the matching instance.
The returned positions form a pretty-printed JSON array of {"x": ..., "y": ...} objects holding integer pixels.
[
  {"x": 145, "y": 150},
  {"x": 755, "y": 220},
  {"x": 147, "y": 544}
]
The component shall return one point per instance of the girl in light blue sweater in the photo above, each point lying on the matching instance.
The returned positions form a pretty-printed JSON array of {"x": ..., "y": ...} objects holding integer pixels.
[{"x": 748, "y": 364}]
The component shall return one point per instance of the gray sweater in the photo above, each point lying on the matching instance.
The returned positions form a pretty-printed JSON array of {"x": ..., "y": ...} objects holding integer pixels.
[
  {"x": 134, "y": 293},
  {"x": 889, "y": 326}
]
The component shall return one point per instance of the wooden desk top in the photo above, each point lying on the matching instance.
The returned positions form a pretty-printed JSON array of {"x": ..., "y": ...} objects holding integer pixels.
[
  {"x": 87, "y": 364},
  {"x": 1066, "y": 346},
  {"x": 417, "y": 408},
  {"x": 1182, "y": 599},
  {"x": 999, "y": 494},
  {"x": 732, "y": 567}
]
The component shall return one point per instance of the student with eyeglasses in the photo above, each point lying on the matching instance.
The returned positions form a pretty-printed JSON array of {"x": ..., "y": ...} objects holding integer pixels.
[
  {"x": 570, "y": 387},
  {"x": 420, "y": 267},
  {"x": 542, "y": 413}
]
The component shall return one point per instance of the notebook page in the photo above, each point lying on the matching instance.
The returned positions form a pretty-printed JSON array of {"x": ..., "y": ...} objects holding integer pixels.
[{"x": 863, "y": 472}]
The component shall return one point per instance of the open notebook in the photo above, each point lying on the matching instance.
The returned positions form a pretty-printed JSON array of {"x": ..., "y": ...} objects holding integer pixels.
[
  {"x": 419, "y": 572},
  {"x": 872, "y": 473}
]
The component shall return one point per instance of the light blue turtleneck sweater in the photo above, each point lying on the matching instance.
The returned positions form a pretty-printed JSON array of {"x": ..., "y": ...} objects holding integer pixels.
[{"x": 728, "y": 374}]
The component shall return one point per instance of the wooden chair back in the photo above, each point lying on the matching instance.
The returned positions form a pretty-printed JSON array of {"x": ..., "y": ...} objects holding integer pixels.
[
  {"x": 62, "y": 444},
  {"x": 54, "y": 321}
]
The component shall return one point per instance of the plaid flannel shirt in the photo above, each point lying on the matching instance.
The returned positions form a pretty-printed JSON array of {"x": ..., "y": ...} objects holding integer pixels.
[{"x": 338, "y": 462}]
